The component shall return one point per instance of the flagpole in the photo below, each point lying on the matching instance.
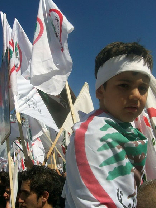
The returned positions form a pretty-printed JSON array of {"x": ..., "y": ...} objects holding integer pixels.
[
  {"x": 54, "y": 159},
  {"x": 70, "y": 103},
  {"x": 53, "y": 145},
  {"x": 51, "y": 162},
  {"x": 10, "y": 175},
  {"x": 61, "y": 130},
  {"x": 21, "y": 135}
]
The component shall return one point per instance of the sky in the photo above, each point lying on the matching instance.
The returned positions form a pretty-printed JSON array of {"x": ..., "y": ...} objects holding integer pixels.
[{"x": 96, "y": 24}]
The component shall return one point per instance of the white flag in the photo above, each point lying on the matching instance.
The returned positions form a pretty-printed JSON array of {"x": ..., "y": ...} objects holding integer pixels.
[
  {"x": 6, "y": 32},
  {"x": 20, "y": 55},
  {"x": 4, "y": 76},
  {"x": 82, "y": 105},
  {"x": 27, "y": 99},
  {"x": 22, "y": 48},
  {"x": 51, "y": 62},
  {"x": 18, "y": 151},
  {"x": 38, "y": 150}
]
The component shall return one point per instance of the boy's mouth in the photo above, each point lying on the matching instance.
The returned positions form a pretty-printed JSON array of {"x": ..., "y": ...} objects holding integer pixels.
[{"x": 132, "y": 108}]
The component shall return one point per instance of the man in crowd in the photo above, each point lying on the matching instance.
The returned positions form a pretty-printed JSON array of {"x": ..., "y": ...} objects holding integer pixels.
[{"x": 41, "y": 188}]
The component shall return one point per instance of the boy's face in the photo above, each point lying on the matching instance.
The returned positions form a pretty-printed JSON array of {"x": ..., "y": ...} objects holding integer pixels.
[{"x": 125, "y": 95}]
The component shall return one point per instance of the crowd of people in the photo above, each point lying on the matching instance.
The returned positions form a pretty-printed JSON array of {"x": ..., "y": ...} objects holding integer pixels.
[
  {"x": 106, "y": 156},
  {"x": 41, "y": 187}
]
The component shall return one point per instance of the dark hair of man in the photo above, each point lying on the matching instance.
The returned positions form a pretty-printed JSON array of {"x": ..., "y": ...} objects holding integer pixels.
[
  {"x": 119, "y": 48},
  {"x": 146, "y": 197},
  {"x": 5, "y": 180},
  {"x": 2, "y": 190},
  {"x": 44, "y": 179}
]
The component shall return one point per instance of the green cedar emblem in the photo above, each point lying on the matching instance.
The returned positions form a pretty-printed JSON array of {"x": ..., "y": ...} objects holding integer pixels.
[{"x": 136, "y": 152}]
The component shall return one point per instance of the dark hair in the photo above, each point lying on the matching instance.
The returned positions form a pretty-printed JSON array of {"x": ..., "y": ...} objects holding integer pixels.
[
  {"x": 146, "y": 196},
  {"x": 44, "y": 179},
  {"x": 2, "y": 189},
  {"x": 5, "y": 180},
  {"x": 120, "y": 48}
]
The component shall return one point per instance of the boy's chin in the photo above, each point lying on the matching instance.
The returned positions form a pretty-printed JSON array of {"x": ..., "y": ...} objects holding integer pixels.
[{"x": 129, "y": 120}]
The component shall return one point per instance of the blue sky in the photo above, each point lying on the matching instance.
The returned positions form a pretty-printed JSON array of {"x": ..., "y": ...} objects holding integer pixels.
[{"x": 96, "y": 23}]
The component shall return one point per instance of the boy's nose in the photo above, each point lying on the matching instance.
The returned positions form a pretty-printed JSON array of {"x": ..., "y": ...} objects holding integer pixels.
[{"x": 135, "y": 94}]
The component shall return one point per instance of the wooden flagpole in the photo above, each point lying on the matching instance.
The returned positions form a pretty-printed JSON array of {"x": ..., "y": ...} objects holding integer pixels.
[
  {"x": 70, "y": 103},
  {"x": 21, "y": 135},
  {"x": 55, "y": 146},
  {"x": 10, "y": 175},
  {"x": 54, "y": 159},
  {"x": 51, "y": 160},
  {"x": 61, "y": 130}
]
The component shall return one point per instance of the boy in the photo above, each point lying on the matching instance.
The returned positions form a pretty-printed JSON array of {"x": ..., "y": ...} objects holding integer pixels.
[{"x": 106, "y": 155}]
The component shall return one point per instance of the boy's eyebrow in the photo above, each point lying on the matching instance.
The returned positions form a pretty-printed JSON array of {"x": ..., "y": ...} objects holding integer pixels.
[
  {"x": 125, "y": 80},
  {"x": 130, "y": 81}
]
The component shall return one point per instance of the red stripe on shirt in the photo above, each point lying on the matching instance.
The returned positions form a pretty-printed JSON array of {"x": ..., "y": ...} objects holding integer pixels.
[{"x": 85, "y": 171}]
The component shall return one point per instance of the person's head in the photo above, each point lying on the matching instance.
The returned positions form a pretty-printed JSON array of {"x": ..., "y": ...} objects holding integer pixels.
[
  {"x": 41, "y": 187},
  {"x": 7, "y": 193},
  {"x": 146, "y": 196},
  {"x": 123, "y": 72},
  {"x": 2, "y": 190},
  {"x": 5, "y": 180},
  {"x": 19, "y": 201}
]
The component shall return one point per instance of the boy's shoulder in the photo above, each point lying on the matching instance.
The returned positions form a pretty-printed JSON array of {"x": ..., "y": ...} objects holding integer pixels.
[
  {"x": 97, "y": 114},
  {"x": 99, "y": 120},
  {"x": 94, "y": 113},
  {"x": 94, "y": 119}
]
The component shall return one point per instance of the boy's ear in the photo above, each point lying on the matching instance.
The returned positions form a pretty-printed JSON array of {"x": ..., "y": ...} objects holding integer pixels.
[
  {"x": 100, "y": 92},
  {"x": 45, "y": 196}
]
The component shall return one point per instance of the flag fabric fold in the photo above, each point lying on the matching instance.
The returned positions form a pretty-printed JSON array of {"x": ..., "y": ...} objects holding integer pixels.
[{"x": 51, "y": 62}]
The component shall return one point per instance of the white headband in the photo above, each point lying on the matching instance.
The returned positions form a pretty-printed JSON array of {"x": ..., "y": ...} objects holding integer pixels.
[{"x": 119, "y": 64}]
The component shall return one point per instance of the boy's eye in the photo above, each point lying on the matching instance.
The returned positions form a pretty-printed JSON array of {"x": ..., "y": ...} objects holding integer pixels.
[
  {"x": 143, "y": 89},
  {"x": 123, "y": 85}
]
